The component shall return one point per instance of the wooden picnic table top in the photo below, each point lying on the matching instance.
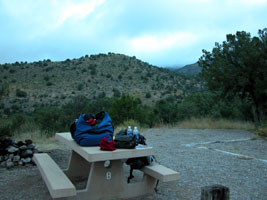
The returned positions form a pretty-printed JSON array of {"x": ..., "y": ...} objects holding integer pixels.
[{"x": 94, "y": 154}]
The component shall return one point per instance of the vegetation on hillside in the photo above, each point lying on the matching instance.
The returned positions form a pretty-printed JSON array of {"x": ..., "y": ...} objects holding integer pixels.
[
  {"x": 238, "y": 67},
  {"x": 200, "y": 105},
  {"x": 25, "y": 87},
  {"x": 48, "y": 96}
]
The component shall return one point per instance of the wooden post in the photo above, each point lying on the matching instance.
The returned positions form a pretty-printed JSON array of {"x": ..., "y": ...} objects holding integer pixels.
[{"x": 215, "y": 192}]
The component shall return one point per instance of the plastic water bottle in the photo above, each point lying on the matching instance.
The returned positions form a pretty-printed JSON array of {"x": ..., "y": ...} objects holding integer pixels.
[
  {"x": 135, "y": 132},
  {"x": 129, "y": 131}
]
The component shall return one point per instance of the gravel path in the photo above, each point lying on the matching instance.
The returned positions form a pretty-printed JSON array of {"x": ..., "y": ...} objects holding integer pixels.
[{"x": 233, "y": 158}]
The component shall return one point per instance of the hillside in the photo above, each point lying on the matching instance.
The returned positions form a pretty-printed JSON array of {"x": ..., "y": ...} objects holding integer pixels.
[
  {"x": 188, "y": 70},
  {"x": 27, "y": 86}
]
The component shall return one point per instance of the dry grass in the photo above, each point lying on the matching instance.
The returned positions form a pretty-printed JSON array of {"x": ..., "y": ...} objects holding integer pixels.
[
  {"x": 207, "y": 123},
  {"x": 131, "y": 123},
  {"x": 262, "y": 130},
  {"x": 41, "y": 141},
  {"x": 46, "y": 143}
]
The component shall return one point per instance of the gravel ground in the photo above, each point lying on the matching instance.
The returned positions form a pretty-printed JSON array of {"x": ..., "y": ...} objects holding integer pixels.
[{"x": 233, "y": 158}]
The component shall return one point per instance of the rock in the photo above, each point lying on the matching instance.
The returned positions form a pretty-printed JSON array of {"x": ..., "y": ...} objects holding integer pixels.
[
  {"x": 16, "y": 158},
  {"x": 26, "y": 153},
  {"x": 1, "y": 158},
  {"x": 6, "y": 156},
  {"x": 3, "y": 164},
  {"x": 28, "y": 142},
  {"x": 11, "y": 156},
  {"x": 21, "y": 163},
  {"x": 12, "y": 149},
  {"x": 6, "y": 142},
  {"x": 26, "y": 160},
  {"x": 23, "y": 147},
  {"x": 36, "y": 151},
  {"x": 3, "y": 150},
  {"x": 16, "y": 163},
  {"x": 9, "y": 164},
  {"x": 31, "y": 146},
  {"x": 20, "y": 143}
]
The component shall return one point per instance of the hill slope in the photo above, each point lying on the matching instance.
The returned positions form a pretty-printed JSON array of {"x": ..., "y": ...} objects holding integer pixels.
[
  {"x": 26, "y": 86},
  {"x": 189, "y": 70}
]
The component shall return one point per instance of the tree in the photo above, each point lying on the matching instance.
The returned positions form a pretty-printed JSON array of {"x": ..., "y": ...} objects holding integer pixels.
[
  {"x": 125, "y": 108},
  {"x": 238, "y": 66}
]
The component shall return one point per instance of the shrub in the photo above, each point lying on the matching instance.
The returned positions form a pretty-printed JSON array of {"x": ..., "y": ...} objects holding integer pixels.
[
  {"x": 49, "y": 83},
  {"x": 148, "y": 95},
  {"x": 10, "y": 125},
  {"x": 125, "y": 108},
  {"x": 20, "y": 93},
  {"x": 262, "y": 130},
  {"x": 50, "y": 120},
  {"x": 46, "y": 78},
  {"x": 80, "y": 87},
  {"x": 116, "y": 93}
]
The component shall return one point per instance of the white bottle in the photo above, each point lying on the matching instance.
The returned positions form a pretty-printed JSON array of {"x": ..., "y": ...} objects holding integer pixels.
[
  {"x": 135, "y": 132},
  {"x": 129, "y": 131}
]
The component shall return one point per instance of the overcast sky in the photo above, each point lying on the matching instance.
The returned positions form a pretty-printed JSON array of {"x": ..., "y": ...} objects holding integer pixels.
[{"x": 160, "y": 32}]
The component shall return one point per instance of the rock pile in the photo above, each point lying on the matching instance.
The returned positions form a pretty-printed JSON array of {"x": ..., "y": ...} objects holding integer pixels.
[{"x": 14, "y": 153}]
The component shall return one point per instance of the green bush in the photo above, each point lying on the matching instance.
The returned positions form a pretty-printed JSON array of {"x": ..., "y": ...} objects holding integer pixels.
[
  {"x": 20, "y": 93},
  {"x": 80, "y": 87},
  {"x": 125, "y": 108},
  {"x": 50, "y": 120},
  {"x": 9, "y": 125},
  {"x": 148, "y": 95},
  {"x": 262, "y": 130}
]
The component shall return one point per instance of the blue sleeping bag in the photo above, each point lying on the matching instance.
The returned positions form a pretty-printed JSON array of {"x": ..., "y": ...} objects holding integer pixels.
[{"x": 89, "y": 130}]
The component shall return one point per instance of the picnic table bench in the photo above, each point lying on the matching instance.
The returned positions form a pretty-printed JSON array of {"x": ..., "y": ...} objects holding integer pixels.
[{"x": 103, "y": 171}]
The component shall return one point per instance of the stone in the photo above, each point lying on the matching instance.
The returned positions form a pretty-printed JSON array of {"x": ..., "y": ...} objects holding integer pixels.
[
  {"x": 26, "y": 153},
  {"x": 11, "y": 156},
  {"x": 20, "y": 143},
  {"x": 26, "y": 160},
  {"x": 6, "y": 142},
  {"x": 21, "y": 163},
  {"x": 12, "y": 149},
  {"x": 3, "y": 150},
  {"x": 36, "y": 151},
  {"x": 3, "y": 164},
  {"x": 6, "y": 156},
  {"x": 31, "y": 146},
  {"x": 16, "y": 158},
  {"x": 9, "y": 164},
  {"x": 23, "y": 147},
  {"x": 28, "y": 142}
]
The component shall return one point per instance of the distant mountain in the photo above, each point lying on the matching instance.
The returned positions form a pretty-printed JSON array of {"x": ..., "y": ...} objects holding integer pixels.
[
  {"x": 188, "y": 70},
  {"x": 27, "y": 86}
]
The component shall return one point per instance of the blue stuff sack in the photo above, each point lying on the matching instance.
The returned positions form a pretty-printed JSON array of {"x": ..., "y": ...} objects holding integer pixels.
[{"x": 89, "y": 130}]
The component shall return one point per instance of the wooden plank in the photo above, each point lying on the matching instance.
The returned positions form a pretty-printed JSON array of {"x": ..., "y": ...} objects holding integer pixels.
[
  {"x": 94, "y": 154},
  {"x": 56, "y": 181},
  {"x": 161, "y": 172}
]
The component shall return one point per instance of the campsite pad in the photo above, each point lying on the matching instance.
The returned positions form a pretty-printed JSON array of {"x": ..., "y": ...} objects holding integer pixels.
[{"x": 233, "y": 158}]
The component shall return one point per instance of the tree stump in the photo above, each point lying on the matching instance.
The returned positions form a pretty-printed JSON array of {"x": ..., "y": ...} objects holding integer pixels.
[{"x": 215, "y": 192}]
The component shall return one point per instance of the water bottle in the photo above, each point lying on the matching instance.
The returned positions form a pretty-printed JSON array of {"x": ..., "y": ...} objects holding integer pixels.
[
  {"x": 129, "y": 131},
  {"x": 135, "y": 132}
]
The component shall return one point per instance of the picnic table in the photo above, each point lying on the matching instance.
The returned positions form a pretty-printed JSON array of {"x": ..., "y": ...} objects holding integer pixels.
[{"x": 103, "y": 171}]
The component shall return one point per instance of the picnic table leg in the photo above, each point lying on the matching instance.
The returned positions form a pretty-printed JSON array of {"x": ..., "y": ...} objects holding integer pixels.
[
  {"x": 115, "y": 182},
  {"x": 78, "y": 167},
  {"x": 100, "y": 177}
]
